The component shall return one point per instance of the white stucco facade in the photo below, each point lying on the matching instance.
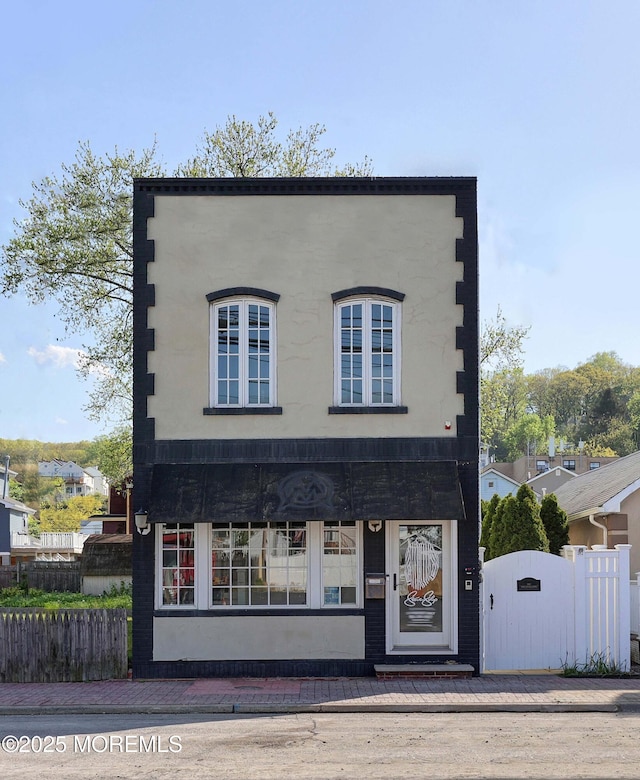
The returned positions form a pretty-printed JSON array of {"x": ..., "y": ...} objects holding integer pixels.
[{"x": 304, "y": 248}]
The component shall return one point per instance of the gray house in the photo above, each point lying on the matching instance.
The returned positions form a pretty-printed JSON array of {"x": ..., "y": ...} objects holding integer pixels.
[{"x": 603, "y": 506}]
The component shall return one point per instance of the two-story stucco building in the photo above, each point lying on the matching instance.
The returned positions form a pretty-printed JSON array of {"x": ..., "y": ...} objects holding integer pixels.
[{"x": 305, "y": 425}]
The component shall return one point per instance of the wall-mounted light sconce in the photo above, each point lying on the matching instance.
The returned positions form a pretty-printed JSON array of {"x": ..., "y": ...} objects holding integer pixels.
[
  {"x": 374, "y": 526},
  {"x": 142, "y": 522}
]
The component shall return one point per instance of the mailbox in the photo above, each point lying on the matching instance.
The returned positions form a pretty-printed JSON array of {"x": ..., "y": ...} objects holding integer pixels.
[{"x": 374, "y": 585}]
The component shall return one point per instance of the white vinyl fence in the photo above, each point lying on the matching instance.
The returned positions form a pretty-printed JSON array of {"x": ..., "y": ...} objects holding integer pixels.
[
  {"x": 635, "y": 605},
  {"x": 543, "y": 611}
]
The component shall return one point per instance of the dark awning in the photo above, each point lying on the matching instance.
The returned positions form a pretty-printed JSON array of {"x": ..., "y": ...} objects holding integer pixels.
[{"x": 241, "y": 492}]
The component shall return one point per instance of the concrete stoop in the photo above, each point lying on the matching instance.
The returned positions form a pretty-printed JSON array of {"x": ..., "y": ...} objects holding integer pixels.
[{"x": 423, "y": 671}]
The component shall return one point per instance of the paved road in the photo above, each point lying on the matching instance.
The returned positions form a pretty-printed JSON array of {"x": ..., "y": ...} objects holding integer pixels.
[{"x": 323, "y": 746}]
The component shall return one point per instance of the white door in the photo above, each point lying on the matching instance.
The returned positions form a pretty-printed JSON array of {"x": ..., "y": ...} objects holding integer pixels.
[
  {"x": 528, "y": 607},
  {"x": 420, "y": 603}
]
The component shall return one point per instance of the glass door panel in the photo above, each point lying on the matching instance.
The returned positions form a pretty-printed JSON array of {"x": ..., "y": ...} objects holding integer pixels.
[{"x": 420, "y": 605}]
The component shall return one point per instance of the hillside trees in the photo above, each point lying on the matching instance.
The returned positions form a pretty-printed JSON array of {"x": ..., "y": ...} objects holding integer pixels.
[{"x": 594, "y": 408}]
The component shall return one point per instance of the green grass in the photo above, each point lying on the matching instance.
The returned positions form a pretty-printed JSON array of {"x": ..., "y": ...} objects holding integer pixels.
[
  {"x": 18, "y": 598},
  {"x": 597, "y": 666}
]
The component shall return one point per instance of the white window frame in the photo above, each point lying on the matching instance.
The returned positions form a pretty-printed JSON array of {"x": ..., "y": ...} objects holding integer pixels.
[
  {"x": 243, "y": 304},
  {"x": 367, "y": 369},
  {"x": 203, "y": 573},
  {"x": 197, "y": 586}
]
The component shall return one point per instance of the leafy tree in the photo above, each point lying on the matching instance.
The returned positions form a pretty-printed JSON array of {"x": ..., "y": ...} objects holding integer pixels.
[
  {"x": 503, "y": 401},
  {"x": 597, "y": 402},
  {"x": 16, "y": 490},
  {"x": 501, "y": 344},
  {"x": 488, "y": 515},
  {"x": 517, "y": 525},
  {"x": 528, "y": 434},
  {"x": 37, "y": 489},
  {"x": 243, "y": 149},
  {"x": 75, "y": 244},
  {"x": 618, "y": 437},
  {"x": 554, "y": 520},
  {"x": 501, "y": 378},
  {"x": 113, "y": 455},
  {"x": 75, "y": 247},
  {"x": 66, "y": 515}
]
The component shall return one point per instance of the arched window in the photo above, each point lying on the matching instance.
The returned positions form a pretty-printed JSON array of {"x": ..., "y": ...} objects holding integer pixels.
[
  {"x": 367, "y": 347},
  {"x": 243, "y": 360}
]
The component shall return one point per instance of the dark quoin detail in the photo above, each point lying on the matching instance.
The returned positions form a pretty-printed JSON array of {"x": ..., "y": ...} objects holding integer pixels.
[
  {"x": 241, "y": 292},
  {"x": 383, "y": 292}
]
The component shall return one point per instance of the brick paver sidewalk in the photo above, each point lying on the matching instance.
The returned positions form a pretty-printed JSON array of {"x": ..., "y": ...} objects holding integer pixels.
[{"x": 490, "y": 692}]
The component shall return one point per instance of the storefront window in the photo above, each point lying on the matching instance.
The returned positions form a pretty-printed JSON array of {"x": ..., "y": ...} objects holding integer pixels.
[
  {"x": 178, "y": 564},
  {"x": 259, "y": 564},
  {"x": 339, "y": 563}
]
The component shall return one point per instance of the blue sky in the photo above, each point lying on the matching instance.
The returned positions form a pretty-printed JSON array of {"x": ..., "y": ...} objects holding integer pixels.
[{"x": 538, "y": 100}]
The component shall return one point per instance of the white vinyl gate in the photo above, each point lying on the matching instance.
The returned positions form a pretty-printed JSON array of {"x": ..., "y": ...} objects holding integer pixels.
[{"x": 541, "y": 611}]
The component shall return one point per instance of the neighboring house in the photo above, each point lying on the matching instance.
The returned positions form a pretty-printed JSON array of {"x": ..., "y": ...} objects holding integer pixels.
[
  {"x": 49, "y": 546},
  {"x": 492, "y": 482},
  {"x": 104, "y": 524},
  {"x": 550, "y": 480},
  {"x": 305, "y": 425},
  {"x": 78, "y": 481},
  {"x": 529, "y": 466},
  {"x": 14, "y": 522},
  {"x": 603, "y": 506}
]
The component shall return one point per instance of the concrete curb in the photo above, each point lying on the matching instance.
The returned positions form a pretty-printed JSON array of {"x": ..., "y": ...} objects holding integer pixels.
[{"x": 290, "y": 709}]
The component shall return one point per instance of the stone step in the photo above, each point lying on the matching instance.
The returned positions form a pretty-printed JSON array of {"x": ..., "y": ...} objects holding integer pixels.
[{"x": 423, "y": 671}]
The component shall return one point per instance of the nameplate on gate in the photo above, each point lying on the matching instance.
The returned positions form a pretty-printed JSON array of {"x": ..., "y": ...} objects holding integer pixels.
[{"x": 528, "y": 584}]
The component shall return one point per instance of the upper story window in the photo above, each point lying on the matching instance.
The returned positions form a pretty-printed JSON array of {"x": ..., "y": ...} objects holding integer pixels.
[
  {"x": 570, "y": 465},
  {"x": 594, "y": 465},
  {"x": 243, "y": 363},
  {"x": 367, "y": 348}
]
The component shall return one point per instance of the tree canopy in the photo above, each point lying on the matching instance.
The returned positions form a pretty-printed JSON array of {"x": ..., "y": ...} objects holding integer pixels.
[
  {"x": 594, "y": 408},
  {"x": 75, "y": 243}
]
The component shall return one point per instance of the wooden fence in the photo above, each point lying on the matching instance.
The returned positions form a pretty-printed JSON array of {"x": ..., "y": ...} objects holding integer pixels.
[
  {"x": 8, "y": 576},
  {"x": 49, "y": 576},
  {"x": 74, "y": 645}
]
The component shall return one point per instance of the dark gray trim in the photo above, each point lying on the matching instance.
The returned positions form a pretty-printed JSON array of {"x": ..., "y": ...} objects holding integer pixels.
[
  {"x": 234, "y": 292},
  {"x": 458, "y": 448},
  {"x": 317, "y": 185},
  {"x": 213, "y": 410},
  {"x": 385, "y": 292},
  {"x": 368, "y": 410}
]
